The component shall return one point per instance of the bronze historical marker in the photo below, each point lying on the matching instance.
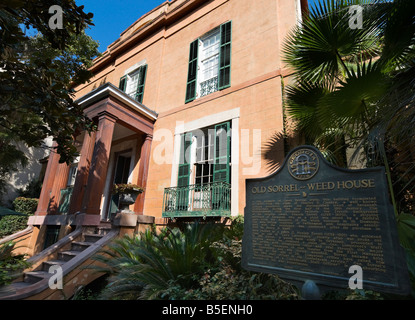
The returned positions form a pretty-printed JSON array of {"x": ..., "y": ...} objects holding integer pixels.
[{"x": 312, "y": 221}]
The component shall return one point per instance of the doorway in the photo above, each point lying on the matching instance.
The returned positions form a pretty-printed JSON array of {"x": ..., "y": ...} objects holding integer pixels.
[{"x": 122, "y": 173}]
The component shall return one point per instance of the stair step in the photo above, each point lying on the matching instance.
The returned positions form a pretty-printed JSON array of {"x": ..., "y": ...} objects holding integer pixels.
[
  {"x": 67, "y": 255},
  {"x": 36, "y": 276},
  {"x": 47, "y": 264},
  {"x": 80, "y": 245},
  {"x": 92, "y": 237}
]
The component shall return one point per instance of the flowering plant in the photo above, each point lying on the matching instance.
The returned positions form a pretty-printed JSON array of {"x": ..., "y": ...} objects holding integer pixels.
[{"x": 126, "y": 188}]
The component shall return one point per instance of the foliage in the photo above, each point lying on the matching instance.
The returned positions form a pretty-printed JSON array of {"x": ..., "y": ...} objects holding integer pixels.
[
  {"x": 12, "y": 224},
  {"x": 354, "y": 88},
  {"x": 357, "y": 294},
  {"x": 91, "y": 291},
  {"x": 142, "y": 266},
  {"x": 196, "y": 261},
  {"x": 228, "y": 281},
  {"x": 25, "y": 205},
  {"x": 10, "y": 265},
  {"x": 37, "y": 76},
  {"x": 126, "y": 188}
]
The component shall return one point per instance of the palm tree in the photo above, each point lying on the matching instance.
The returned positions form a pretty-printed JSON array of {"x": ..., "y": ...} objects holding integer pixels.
[{"x": 354, "y": 88}]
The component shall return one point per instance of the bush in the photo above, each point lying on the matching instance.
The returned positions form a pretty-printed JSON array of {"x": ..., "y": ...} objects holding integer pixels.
[
  {"x": 12, "y": 224},
  {"x": 25, "y": 205},
  {"x": 198, "y": 261},
  {"x": 11, "y": 265},
  {"x": 230, "y": 282}
]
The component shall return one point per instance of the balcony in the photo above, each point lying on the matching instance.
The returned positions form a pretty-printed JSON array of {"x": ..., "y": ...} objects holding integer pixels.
[
  {"x": 210, "y": 200},
  {"x": 209, "y": 86}
]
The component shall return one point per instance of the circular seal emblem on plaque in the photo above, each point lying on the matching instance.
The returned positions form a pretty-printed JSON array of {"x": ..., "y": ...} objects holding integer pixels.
[{"x": 303, "y": 164}]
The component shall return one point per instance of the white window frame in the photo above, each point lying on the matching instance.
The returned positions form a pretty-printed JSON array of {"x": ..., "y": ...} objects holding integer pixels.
[
  {"x": 210, "y": 120},
  {"x": 202, "y": 58}
]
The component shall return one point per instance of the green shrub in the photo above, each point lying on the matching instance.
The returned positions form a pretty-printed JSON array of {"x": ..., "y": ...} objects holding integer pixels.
[
  {"x": 25, "y": 205},
  {"x": 11, "y": 265},
  {"x": 12, "y": 224},
  {"x": 198, "y": 261},
  {"x": 230, "y": 282}
]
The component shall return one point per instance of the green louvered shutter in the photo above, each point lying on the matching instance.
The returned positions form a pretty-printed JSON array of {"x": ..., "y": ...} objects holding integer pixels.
[
  {"x": 221, "y": 165},
  {"x": 141, "y": 82},
  {"x": 225, "y": 55},
  {"x": 221, "y": 170},
  {"x": 192, "y": 72},
  {"x": 182, "y": 196},
  {"x": 123, "y": 83}
]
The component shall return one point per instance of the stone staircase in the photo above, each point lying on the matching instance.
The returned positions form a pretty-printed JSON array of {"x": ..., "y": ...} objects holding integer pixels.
[
  {"x": 68, "y": 256},
  {"x": 77, "y": 247}
]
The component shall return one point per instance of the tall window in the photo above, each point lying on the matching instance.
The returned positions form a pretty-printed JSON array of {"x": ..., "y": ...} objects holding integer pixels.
[
  {"x": 212, "y": 159},
  {"x": 204, "y": 157},
  {"x": 133, "y": 83},
  {"x": 209, "y": 63},
  {"x": 73, "y": 169}
]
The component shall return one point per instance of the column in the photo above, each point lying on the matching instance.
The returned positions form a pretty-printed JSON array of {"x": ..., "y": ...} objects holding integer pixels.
[
  {"x": 143, "y": 173},
  {"x": 82, "y": 173},
  {"x": 59, "y": 183},
  {"x": 44, "y": 198},
  {"x": 99, "y": 165}
]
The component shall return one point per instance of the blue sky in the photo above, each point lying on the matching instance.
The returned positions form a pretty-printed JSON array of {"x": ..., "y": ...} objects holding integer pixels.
[{"x": 112, "y": 17}]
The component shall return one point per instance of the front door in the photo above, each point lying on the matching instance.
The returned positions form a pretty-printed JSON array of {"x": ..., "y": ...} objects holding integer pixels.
[{"x": 121, "y": 174}]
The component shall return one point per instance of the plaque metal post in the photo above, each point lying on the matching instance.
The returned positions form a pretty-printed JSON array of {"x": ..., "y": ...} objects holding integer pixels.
[{"x": 310, "y": 291}]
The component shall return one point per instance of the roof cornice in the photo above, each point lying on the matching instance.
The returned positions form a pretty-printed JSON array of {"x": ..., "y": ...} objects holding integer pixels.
[
  {"x": 166, "y": 18},
  {"x": 109, "y": 90}
]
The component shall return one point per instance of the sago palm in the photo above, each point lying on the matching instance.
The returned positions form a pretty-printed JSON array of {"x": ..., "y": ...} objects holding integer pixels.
[{"x": 142, "y": 267}]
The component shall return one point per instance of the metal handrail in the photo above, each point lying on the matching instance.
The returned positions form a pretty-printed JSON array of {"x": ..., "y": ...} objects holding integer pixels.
[{"x": 197, "y": 200}]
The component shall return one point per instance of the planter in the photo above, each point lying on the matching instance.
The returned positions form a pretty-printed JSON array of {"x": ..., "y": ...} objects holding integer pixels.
[
  {"x": 128, "y": 198},
  {"x": 127, "y": 195}
]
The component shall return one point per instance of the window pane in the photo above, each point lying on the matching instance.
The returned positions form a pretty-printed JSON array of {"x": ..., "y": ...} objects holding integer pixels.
[
  {"x": 199, "y": 170},
  {"x": 132, "y": 83},
  {"x": 209, "y": 63},
  {"x": 205, "y": 169},
  {"x": 205, "y": 180}
]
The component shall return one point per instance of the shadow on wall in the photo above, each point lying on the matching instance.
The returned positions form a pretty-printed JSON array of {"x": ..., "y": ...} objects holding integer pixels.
[
  {"x": 21, "y": 178},
  {"x": 271, "y": 152},
  {"x": 276, "y": 148}
]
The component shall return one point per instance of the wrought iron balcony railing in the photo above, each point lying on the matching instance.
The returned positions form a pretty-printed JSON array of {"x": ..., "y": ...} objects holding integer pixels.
[
  {"x": 210, "y": 200},
  {"x": 209, "y": 86}
]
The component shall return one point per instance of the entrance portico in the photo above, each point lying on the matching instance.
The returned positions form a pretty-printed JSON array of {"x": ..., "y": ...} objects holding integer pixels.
[{"x": 125, "y": 126}]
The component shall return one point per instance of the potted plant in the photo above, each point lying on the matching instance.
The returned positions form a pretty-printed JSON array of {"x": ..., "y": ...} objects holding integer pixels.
[{"x": 128, "y": 193}]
